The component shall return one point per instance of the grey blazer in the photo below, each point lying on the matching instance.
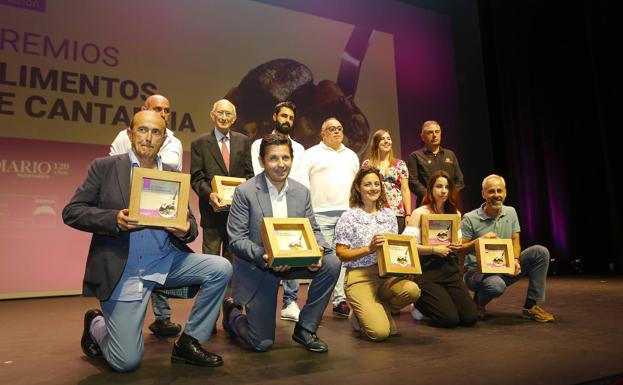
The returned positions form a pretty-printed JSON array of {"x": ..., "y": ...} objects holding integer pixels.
[{"x": 250, "y": 204}]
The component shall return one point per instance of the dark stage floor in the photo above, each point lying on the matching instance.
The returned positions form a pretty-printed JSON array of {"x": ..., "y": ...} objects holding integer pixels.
[{"x": 39, "y": 344}]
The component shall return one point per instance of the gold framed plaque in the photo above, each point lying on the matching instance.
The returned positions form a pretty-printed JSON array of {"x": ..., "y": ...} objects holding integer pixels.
[
  {"x": 159, "y": 198},
  {"x": 439, "y": 229},
  {"x": 289, "y": 242},
  {"x": 398, "y": 256},
  {"x": 225, "y": 187},
  {"x": 495, "y": 256}
]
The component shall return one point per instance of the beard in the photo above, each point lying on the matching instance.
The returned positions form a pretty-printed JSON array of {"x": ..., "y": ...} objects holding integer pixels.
[{"x": 283, "y": 129}]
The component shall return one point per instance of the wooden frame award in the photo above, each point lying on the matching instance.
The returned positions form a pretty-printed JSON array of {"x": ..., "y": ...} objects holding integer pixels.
[
  {"x": 159, "y": 198},
  {"x": 439, "y": 229},
  {"x": 495, "y": 256},
  {"x": 225, "y": 186},
  {"x": 289, "y": 242},
  {"x": 398, "y": 256}
]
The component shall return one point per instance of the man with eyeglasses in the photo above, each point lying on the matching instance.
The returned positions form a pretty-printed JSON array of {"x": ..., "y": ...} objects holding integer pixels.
[
  {"x": 218, "y": 152},
  {"x": 328, "y": 170},
  {"x": 170, "y": 154},
  {"x": 127, "y": 261}
]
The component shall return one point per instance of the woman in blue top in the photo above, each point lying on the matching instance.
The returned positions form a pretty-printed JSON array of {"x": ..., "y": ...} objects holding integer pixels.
[{"x": 357, "y": 236}]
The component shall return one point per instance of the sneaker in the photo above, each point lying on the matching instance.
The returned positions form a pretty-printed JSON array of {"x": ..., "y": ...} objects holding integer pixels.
[
  {"x": 537, "y": 314},
  {"x": 290, "y": 312},
  {"x": 417, "y": 315},
  {"x": 342, "y": 309}
]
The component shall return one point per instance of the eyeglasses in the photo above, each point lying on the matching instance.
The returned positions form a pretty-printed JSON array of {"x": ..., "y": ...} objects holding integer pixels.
[
  {"x": 334, "y": 129},
  {"x": 226, "y": 114}
]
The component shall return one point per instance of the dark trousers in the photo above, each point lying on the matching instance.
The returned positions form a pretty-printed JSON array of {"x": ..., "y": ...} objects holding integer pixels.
[
  {"x": 445, "y": 298},
  {"x": 215, "y": 236}
]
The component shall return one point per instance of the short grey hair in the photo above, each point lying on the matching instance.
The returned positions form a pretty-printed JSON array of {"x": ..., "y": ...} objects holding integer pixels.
[
  {"x": 223, "y": 100},
  {"x": 484, "y": 181}
]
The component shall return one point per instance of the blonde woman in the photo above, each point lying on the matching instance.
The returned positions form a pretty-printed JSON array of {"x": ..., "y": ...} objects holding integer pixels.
[{"x": 395, "y": 175}]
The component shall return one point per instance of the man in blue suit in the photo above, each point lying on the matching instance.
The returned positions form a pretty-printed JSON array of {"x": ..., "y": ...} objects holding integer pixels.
[{"x": 255, "y": 285}]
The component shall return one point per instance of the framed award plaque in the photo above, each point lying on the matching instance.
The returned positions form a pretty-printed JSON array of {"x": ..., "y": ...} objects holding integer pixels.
[
  {"x": 225, "y": 187},
  {"x": 398, "y": 256},
  {"x": 438, "y": 229},
  {"x": 289, "y": 242},
  {"x": 159, "y": 198},
  {"x": 495, "y": 256}
]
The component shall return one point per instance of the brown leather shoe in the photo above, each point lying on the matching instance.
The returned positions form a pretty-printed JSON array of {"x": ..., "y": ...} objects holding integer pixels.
[
  {"x": 88, "y": 344},
  {"x": 188, "y": 350},
  {"x": 165, "y": 328}
]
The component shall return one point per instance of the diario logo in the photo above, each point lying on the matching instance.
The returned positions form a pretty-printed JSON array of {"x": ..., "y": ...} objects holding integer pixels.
[{"x": 32, "y": 5}]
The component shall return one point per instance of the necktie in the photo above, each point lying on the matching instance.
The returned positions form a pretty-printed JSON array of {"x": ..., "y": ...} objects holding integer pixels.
[{"x": 225, "y": 152}]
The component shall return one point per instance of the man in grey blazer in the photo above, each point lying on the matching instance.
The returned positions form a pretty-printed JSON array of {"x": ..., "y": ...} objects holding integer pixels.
[
  {"x": 255, "y": 285},
  {"x": 127, "y": 261}
]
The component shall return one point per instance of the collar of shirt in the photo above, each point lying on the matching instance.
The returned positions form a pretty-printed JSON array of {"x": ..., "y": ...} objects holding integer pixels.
[
  {"x": 135, "y": 163},
  {"x": 342, "y": 147},
  {"x": 219, "y": 135},
  {"x": 482, "y": 215},
  {"x": 427, "y": 151},
  {"x": 278, "y": 199}
]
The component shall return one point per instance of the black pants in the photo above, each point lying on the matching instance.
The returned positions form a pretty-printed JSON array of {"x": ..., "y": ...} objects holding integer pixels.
[{"x": 445, "y": 299}]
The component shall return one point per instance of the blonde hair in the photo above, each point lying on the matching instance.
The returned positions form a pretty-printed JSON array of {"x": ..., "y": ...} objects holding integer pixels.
[{"x": 375, "y": 151}]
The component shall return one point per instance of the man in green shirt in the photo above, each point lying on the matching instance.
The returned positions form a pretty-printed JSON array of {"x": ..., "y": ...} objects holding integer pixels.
[{"x": 494, "y": 220}]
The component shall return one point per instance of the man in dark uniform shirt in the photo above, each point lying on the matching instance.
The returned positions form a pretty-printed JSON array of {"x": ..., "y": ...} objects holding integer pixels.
[{"x": 430, "y": 158}]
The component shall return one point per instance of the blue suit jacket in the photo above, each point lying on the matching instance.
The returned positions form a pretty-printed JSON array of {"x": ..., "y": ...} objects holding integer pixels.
[{"x": 251, "y": 203}]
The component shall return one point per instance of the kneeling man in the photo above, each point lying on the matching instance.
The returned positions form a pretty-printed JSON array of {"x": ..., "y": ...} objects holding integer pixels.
[
  {"x": 127, "y": 261},
  {"x": 495, "y": 220},
  {"x": 255, "y": 285}
]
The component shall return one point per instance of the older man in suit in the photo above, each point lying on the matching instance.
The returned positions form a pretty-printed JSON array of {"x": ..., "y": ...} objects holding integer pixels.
[
  {"x": 255, "y": 285},
  {"x": 127, "y": 261},
  {"x": 218, "y": 152}
]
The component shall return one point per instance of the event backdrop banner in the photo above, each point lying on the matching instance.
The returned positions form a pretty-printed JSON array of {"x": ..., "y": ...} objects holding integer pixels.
[{"x": 73, "y": 72}]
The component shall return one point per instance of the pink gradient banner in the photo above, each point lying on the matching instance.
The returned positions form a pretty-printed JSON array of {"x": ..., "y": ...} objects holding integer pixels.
[{"x": 39, "y": 253}]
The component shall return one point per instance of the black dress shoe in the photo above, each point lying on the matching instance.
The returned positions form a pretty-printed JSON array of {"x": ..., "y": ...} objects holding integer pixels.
[
  {"x": 228, "y": 306},
  {"x": 88, "y": 344},
  {"x": 165, "y": 328},
  {"x": 188, "y": 350},
  {"x": 309, "y": 340}
]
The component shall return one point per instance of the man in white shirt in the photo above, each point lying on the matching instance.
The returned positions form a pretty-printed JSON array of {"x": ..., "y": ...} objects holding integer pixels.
[
  {"x": 171, "y": 151},
  {"x": 171, "y": 155},
  {"x": 283, "y": 116},
  {"x": 328, "y": 169}
]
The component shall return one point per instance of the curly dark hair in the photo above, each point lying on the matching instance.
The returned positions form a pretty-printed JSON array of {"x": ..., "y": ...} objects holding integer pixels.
[{"x": 355, "y": 196}]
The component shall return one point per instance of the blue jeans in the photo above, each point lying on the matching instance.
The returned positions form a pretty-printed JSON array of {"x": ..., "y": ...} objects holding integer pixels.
[
  {"x": 326, "y": 221},
  {"x": 120, "y": 333},
  {"x": 290, "y": 291},
  {"x": 534, "y": 263}
]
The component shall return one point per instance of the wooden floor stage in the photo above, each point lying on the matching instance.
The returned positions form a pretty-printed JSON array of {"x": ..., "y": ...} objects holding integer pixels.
[{"x": 39, "y": 344}]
